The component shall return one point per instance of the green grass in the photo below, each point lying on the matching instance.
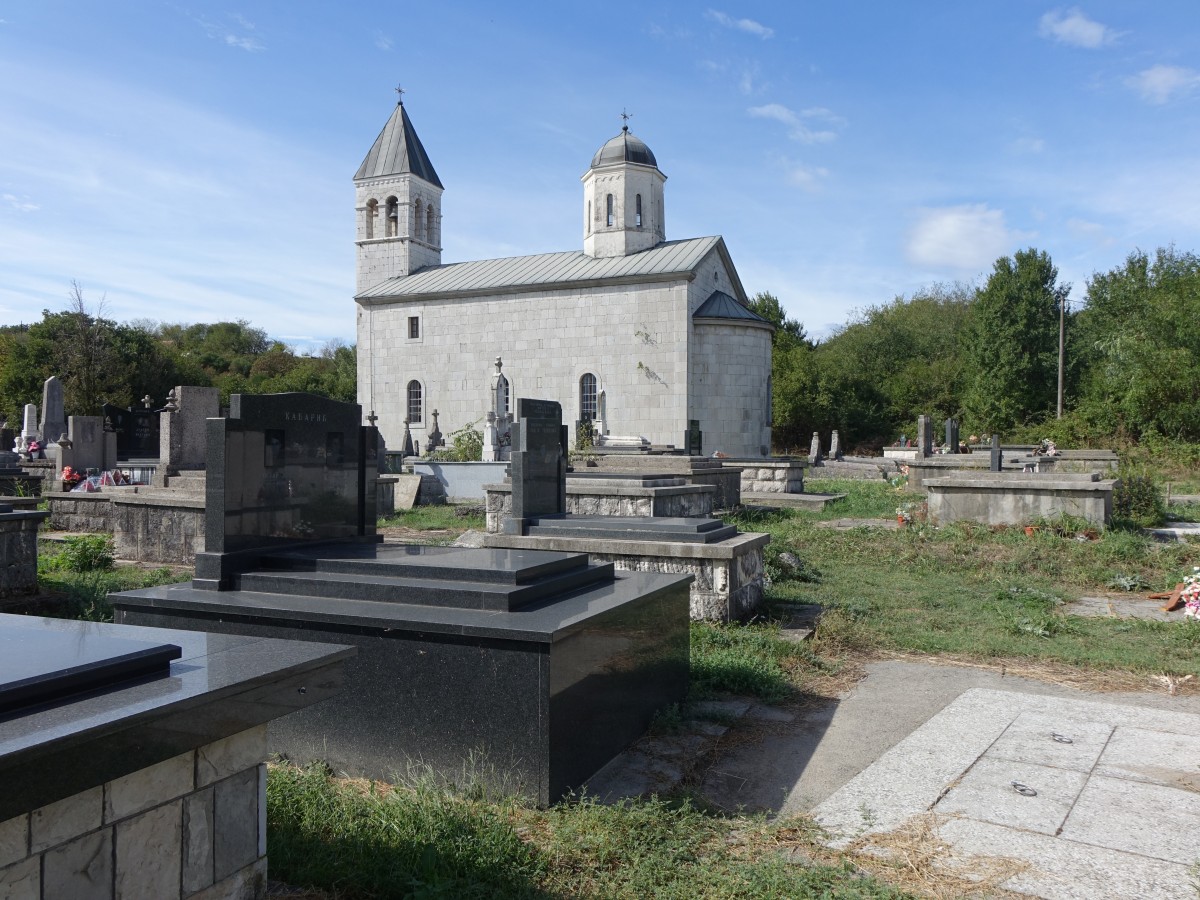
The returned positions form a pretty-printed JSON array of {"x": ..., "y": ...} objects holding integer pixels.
[
  {"x": 750, "y": 659},
  {"x": 969, "y": 590},
  {"x": 436, "y": 518},
  {"x": 75, "y": 578},
  {"x": 364, "y": 842}
]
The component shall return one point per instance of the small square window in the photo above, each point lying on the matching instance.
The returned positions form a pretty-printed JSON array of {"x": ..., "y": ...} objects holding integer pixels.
[{"x": 414, "y": 327}]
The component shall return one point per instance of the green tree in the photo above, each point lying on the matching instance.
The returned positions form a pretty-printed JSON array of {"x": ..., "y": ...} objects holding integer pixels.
[
  {"x": 1140, "y": 335},
  {"x": 787, "y": 330},
  {"x": 1012, "y": 349}
]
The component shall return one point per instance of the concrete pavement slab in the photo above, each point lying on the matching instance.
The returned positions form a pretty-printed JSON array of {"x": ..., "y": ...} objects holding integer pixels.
[{"x": 1136, "y": 817}]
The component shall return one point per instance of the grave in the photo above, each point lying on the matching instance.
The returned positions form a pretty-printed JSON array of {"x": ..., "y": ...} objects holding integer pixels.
[
  {"x": 726, "y": 566},
  {"x": 136, "y": 430},
  {"x": 53, "y": 423},
  {"x": 18, "y": 551},
  {"x": 1013, "y": 498},
  {"x": 133, "y": 758},
  {"x": 531, "y": 669}
]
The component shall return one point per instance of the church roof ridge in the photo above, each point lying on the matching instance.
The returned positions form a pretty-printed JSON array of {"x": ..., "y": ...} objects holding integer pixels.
[
  {"x": 541, "y": 270},
  {"x": 398, "y": 151}
]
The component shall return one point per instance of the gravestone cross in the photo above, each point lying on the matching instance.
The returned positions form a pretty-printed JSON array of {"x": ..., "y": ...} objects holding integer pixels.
[{"x": 539, "y": 464}]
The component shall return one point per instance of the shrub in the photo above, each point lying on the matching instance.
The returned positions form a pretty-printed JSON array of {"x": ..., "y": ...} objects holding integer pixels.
[
  {"x": 1137, "y": 498},
  {"x": 466, "y": 445},
  {"x": 88, "y": 553}
]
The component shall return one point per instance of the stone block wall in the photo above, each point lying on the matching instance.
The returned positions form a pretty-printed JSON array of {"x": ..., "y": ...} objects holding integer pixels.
[
  {"x": 193, "y": 826},
  {"x": 80, "y": 512},
  {"x": 18, "y": 553},
  {"x": 158, "y": 531},
  {"x": 722, "y": 590},
  {"x": 498, "y": 505},
  {"x": 776, "y": 478}
]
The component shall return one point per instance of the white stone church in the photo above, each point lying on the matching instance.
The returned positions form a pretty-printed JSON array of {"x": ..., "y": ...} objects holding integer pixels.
[{"x": 633, "y": 332}]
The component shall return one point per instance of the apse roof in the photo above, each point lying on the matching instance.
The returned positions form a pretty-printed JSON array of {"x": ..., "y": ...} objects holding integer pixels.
[{"x": 720, "y": 305}]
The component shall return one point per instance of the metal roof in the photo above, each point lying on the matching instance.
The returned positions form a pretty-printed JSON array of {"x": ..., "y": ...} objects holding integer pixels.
[
  {"x": 624, "y": 148},
  {"x": 720, "y": 305},
  {"x": 398, "y": 151},
  {"x": 569, "y": 268}
]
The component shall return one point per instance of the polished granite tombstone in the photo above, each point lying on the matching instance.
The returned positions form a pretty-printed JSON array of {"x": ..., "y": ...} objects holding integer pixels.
[
  {"x": 531, "y": 668},
  {"x": 538, "y": 463},
  {"x": 86, "y": 702},
  {"x": 525, "y": 669},
  {"x": 284, "y": 469}
]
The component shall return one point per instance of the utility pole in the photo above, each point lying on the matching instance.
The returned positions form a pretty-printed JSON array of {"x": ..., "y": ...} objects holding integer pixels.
[{"x": 1062, "y": 331}]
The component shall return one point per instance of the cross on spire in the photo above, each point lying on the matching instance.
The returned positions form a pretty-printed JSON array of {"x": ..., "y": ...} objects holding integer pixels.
[{"x": 400, "y": 94}]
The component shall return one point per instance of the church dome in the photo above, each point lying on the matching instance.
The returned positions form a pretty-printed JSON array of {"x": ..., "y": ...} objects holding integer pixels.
[{"x": 624, "y": 148}]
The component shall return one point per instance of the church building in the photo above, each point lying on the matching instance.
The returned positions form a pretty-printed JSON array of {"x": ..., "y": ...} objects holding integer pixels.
[{"x": 634, "y": 333}]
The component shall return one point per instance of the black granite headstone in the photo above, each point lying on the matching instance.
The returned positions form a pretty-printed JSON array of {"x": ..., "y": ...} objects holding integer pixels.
[
  {"x": 695, "y": 438},
  {"x": 951, "y": 435},
  {"x": 136, "y": 431},
  {"x": 538, "y": 466},
  {"x": 285, "y": 470},
  {"x": 997, "y": 455}
]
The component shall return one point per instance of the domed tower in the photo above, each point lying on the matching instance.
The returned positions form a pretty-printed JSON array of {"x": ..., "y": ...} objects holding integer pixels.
[
  {"x": 623, "y": 199},
  {"x": 398, "y": 201}
]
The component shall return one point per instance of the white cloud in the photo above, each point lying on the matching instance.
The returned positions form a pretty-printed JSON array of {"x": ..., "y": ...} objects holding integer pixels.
[
  {"x": 969, "y": 237},
  {"x": 382, "y": 41},
  {"x": 20, "y": 205},
  {"x": 1074, "y": 28},
  {"x": 1158, "y": 84},
  {"x": 1027, "y": 145},
  {"x": 747, "y": 25},
  {"x": 230, "y": 37},
  {"x": 808, "y": 178},
  {"x": 798, "y": 125}
]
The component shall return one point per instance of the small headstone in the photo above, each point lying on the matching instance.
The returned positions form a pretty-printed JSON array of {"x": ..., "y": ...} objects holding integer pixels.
[
  {"x": 924, "y": 436},
  {"x": 490, "y": 445},
  {"x": 835, "y": 446},
  {"x": 54, "y": 419},
  {"x": 695, "y": 438},
  {"x": 951, "y": 435},
  {"x": 997, "y": 455},
  {"x": 406, "y": 443},
  {"x": 539, "y": 463},
  {"x": 814, "y": 450}
]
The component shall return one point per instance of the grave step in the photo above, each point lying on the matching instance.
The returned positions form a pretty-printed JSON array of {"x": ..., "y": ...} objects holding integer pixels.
[
  {"x": 422, "y": 592},
  {"x": 634, "y": 528},
  {"x": 511, "y": 567}
]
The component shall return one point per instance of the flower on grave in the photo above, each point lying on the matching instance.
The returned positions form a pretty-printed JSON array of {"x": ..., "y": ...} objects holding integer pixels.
[
  {"x": 1191, "y": 594},
  {"x": 70, "y": 476}
]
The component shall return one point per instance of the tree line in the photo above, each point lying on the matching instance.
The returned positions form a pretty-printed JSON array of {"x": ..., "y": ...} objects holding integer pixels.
[
  {"x": 989, "y": 357},
  {"x": 100, "y": 360}
]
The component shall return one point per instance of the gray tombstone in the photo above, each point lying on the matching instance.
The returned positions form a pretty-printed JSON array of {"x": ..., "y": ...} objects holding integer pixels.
[
  {"x": 539, "y": 464},
  {"x": 835, "y": 446},
  {"x": 695, "y": 438},
  {"x": 951, "y": 435},
  {"x": 182, "y": 436},
  {"x": 54, "y": 420},
  {"x": 924, "y": 436},
  {"x": 406, "y": 442},
  {"x": 814, "y": 450},
  {"x": 997, "y": 455}
]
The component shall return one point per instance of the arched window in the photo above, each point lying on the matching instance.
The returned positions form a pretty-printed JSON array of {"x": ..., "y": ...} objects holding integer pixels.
[
  {"x": 372, "y": 215},
  {"x": 419, "y": 221},
  {"x": 587, "y": 397},
  {"x": 430, "y": 224},
  {"x": 414, "y": 402},
  {"x": 639, "y": 210},
  {"x": 610, "y": 210},
  {"x": 393, "y": 210}
]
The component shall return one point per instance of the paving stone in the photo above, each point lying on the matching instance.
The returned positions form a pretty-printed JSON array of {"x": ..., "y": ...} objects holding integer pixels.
[
  {"x": 1159, "y": 757},
  {"x": 1031, "y": 738},
  {"x": 987, "y": 793},
  {"x": 1138, "y": 817},
  {"x": 1067, "y": 870}
]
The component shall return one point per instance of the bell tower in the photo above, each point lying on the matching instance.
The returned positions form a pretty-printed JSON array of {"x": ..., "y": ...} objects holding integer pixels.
[{"x": 398, "y": 205}]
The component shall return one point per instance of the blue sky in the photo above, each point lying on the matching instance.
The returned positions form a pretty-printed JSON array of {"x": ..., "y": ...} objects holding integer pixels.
[{"x": 194, "y": 163}]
